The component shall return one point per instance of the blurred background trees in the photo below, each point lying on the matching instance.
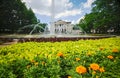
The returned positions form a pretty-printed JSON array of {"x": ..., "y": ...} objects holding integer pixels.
[
  {"x": 14, "y": 15},
  {"x": 104, "y": 18}
]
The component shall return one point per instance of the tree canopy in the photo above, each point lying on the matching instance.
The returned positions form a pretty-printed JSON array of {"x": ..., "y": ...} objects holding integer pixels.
[
  {"x": 104, "y": 17},
  {"x": 14, "y": 15}
]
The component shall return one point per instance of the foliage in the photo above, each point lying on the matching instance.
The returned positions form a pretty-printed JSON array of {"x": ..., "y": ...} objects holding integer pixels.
[
  {"x": 78, "y": 59},
  {"x": 104, "y": 16},
  {"x": 87, "y": 22},
  {"x": 14, "y": 15}
]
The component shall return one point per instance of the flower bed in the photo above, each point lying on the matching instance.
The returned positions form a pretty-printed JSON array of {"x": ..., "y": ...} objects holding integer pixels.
[{"x": 72, "y": 59}]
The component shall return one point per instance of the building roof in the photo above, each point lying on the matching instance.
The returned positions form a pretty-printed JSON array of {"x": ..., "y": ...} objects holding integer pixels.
[{"x": 62, "y": 22}]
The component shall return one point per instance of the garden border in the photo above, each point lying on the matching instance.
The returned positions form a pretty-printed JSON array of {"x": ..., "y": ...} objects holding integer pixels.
[{"x": 51, "y": 39}]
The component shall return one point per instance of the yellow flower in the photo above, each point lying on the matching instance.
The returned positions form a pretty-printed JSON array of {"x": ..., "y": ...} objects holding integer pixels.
[
  {"x": 77, "y": 59},
  {"x": 114, "y": 60},
  {"x": 89, "y": 54},
  {"x": 69, "y": 77},
  {"x": 110, "y": 57},
  {"x": 81, "y": 69},
  {"x": 94, "y": 72},
  {"x": 101, "y": 48},
  {"x": 59, "y": 61},
  {"x": 36, "y": 63},
  {"x": 43, "y": 63},
  {"x": 60, "y": 54},
  {"x": 94, "y": 66},
  {"x": 115, "y": 50},
  {"x": 102, "y": 69},
  {"x": 28, "y": 66},
  {"x": 32, "y": 61},
  {"x": 97, "y": 76}
]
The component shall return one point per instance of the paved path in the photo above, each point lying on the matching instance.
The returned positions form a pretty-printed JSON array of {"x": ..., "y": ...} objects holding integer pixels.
[{"x": 7, "y": 43}]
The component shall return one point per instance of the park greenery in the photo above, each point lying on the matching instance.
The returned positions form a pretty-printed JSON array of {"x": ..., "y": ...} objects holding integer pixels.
[
  {"x": 71, "y": 59},
  {"x": 14, "y": 15},
  {"x": 104, "y": 17}
]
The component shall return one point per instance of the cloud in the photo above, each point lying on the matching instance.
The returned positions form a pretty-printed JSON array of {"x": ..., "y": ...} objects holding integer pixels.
[
  {"x": 88, "y": 4},
  {"x": 85, "y": 7},
  {"x": 69, "y": 13},
  {"x": 63, "y": 8},
  {"x": 39, "y": 6}
]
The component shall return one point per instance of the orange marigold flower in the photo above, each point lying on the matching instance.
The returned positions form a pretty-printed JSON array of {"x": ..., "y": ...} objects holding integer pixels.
[
  {"x": 60, "y": 54},
  {"x": 77, "y": 59},
  {"x": 110, "y": 57},
  {"x": 102, "y": 69},
  {"x": 94, "y": 66},
  {"x": 81, "y": 69},
  {"x": 115, "y": 50}
]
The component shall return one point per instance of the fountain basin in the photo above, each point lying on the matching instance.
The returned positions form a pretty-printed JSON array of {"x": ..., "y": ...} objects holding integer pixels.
[{"x": 49, "y": 38}]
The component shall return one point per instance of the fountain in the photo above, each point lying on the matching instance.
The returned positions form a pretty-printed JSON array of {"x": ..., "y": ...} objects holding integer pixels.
[
  {"x": 52, "y": 28},
  {"x": 52, "y": 32},
  {"x": 52, "y": 25}
]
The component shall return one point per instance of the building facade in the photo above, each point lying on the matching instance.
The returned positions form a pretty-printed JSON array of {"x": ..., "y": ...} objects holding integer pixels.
[{"x": 65, "y": 27}]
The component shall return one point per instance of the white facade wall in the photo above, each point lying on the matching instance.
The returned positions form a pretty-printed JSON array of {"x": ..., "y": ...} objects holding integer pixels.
[{"x": 63, "y": 27}]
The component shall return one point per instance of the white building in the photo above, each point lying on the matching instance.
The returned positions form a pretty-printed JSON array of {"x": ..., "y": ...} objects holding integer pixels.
[{"x": 65, "y": 27}]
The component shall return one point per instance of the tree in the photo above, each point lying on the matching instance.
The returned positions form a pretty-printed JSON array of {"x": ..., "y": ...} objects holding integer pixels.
[
  {"x": 104, "y": 16},
  {"x": 14, "y": 15},
  {"x": 87, "y": 22},
  {"x": 107, "y": 13}
]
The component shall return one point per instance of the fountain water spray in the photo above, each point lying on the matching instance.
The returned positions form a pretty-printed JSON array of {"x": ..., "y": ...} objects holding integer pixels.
[{"x": 52, "y": 27}]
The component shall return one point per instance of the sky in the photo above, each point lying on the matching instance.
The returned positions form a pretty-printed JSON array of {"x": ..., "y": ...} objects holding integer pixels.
[{"x": 67, "y": 10}]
